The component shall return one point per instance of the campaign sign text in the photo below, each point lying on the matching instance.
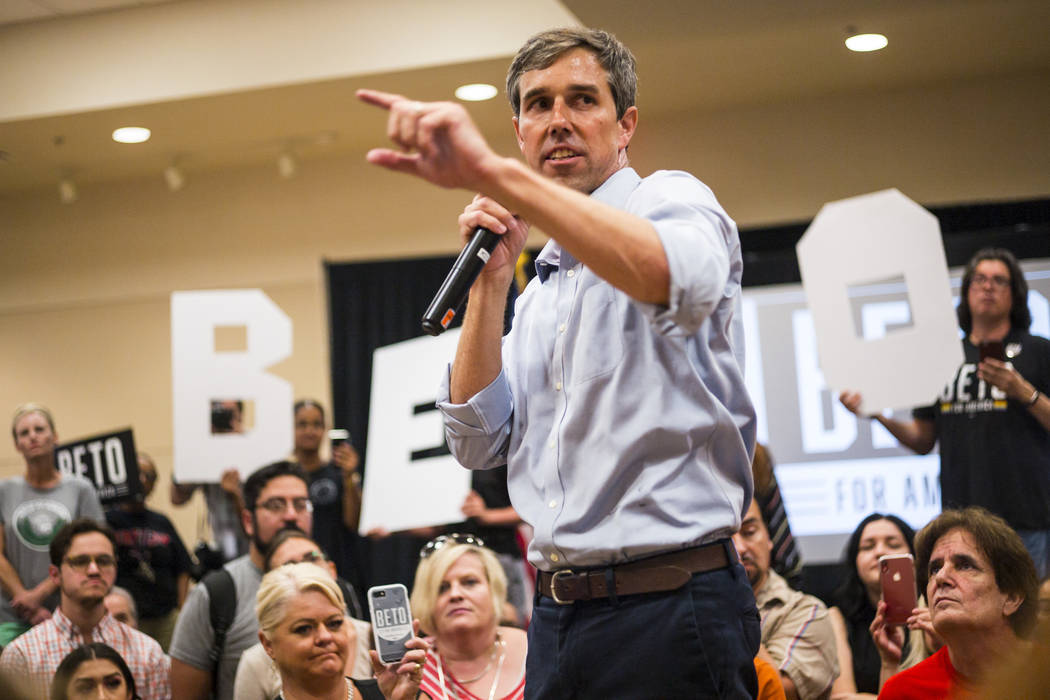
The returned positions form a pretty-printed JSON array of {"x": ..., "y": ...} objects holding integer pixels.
[{"x": 108, "y": 461}]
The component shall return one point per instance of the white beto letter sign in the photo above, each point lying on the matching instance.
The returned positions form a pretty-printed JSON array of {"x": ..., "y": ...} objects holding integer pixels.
[
  {"x": 869, "y": 240},
  {"x": 412, "y": 480},
  {"x": 201, "y": 375}
]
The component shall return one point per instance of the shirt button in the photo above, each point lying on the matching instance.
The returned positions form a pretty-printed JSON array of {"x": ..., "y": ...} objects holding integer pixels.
[
  {"x": 561, "y": 328},
  {"x": 557, "y": 386},
  {"x": 554, "y": 557},
  {"x": 551, "y": 443},
  {"x": 552, "y": 504},
  {"x": 570, "y": 273}
]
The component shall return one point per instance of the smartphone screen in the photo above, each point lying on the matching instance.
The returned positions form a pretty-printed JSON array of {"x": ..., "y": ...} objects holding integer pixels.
[
  {"x": 338, "y": 435},
  {"x": 993, "y": 350},
  {"x": 897, "y": 578},
  {"x": 391, "y": 620}
]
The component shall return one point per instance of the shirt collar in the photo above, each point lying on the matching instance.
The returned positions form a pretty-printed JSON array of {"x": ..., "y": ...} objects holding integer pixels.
[
  {"x": 68, "y": 629},
  {"x": 614, "y": 192}
]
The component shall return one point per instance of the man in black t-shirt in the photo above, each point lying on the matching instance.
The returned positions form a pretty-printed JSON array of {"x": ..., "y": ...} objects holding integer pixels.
[
  {"x": 152, "y": 562},
  {"x": 993, "y": 418}
]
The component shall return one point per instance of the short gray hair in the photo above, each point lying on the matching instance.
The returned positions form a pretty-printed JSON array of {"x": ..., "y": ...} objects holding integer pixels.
[
  {"x": 543, "y": 49},
  {"x": 126, "y": 594}
]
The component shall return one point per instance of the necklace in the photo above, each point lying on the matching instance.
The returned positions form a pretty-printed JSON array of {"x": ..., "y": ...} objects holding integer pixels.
[
  {"x": 492, "y": 658},
  {"x": 499, "y": 644}
]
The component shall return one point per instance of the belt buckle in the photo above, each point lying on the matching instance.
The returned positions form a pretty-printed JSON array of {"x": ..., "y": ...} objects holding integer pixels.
[{"x": 554, "y": 586}]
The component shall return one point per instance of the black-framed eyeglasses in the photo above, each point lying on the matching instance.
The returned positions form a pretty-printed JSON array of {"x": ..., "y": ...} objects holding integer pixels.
[
  {"x": 82, "y": 562},
  {"x": 278, "y": 505},
  {"x": 449, "y": 539},
  {"x": 995, "y": 280},
  {"x": 314, "y": 557}
]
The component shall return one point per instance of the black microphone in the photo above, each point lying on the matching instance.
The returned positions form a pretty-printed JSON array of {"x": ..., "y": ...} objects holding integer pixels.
[{"x": 453, "y": 292}]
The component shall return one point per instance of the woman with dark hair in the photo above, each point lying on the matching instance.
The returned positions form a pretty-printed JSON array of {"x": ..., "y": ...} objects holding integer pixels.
[
  {"x": 335, "y": 489},
  {"x": 92, "y": 672},
  {"x": 860, "y": 658}
]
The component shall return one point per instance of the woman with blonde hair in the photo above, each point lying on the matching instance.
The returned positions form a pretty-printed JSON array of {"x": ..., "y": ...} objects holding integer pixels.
[
  {"x": 459, "y": 591},
  {"x": 304, "y": 630},
  {"x": 33, "y": 508}
]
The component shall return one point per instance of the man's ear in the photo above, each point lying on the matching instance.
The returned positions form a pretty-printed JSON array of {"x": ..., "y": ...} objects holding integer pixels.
[
  {"x": 628, "y": 123},
  {"x": 54, "y": 574},
  {"x": 246, "y": 522},
  {"x": 517, "y": 134}
]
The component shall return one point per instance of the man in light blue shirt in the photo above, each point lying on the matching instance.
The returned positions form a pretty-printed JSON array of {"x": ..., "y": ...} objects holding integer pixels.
[{"x": 617, "y": 401}]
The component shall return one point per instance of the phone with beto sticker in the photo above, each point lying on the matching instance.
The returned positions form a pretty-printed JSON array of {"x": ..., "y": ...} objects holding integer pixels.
[
  {"x": 897, "y": 579},
  {"x": 391, "y": 620}
]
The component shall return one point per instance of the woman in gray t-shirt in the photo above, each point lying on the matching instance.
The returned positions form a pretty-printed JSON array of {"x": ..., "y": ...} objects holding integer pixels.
[{"x": 33, "y": 508}]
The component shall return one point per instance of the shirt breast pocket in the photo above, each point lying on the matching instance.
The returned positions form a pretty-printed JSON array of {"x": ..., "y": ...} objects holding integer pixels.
[{"x": 598, "y": 346}]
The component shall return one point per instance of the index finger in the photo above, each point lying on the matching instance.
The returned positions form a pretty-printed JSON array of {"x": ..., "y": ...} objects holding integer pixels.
[{"x": 385, "y": 100}]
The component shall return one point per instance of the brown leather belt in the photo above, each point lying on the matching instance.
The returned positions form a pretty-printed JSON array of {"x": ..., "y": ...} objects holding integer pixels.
[{"x": 664, "y": 572}]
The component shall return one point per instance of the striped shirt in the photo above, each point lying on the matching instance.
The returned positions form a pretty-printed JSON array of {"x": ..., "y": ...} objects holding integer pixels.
[
  {"x": 797, "y": 633},
  {"x": 431, "y": 684},
  {"x": 37, "y": 653}
]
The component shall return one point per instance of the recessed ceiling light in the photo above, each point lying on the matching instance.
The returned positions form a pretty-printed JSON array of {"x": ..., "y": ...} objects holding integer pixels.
[
  {"x": 131, "y": 134},
  {"x": 866, "y": 42},
  {"x": 476, "y": 92}
]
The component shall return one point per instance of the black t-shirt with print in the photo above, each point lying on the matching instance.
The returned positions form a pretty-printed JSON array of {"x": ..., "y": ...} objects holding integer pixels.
[{"x": 994, "y": 453}]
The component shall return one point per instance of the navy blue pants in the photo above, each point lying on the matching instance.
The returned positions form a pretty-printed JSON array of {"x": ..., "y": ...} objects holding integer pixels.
[{"x": 698, "y": 641}]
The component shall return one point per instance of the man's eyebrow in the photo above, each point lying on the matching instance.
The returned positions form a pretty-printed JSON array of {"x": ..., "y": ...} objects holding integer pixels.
[{"x": 575, "y": 87}]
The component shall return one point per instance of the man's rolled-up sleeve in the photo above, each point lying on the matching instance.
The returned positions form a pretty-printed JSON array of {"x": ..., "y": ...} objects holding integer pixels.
[
  {"x": 696, "y": 235},
  {"x": 478, "y": 431}
]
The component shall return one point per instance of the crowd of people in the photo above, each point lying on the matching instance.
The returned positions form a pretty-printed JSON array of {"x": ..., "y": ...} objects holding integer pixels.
[{"x": 664, "y": 557}]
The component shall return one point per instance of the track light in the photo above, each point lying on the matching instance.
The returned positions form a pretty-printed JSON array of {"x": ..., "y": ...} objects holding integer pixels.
[
  {"x": 67, "y": 191},
  {"x": 287, "y": 165},
  {"x": 175, "y": 178}
]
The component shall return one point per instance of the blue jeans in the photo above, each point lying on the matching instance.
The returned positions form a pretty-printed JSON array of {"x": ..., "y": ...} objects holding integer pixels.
[
  {"x": 698, "y": 641},
  {"x": 1037, "y": 542}
]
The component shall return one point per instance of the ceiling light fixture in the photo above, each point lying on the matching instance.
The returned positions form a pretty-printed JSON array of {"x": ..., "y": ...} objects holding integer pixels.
[
  {"x": 476, "y": 92},
  {"x": 286, "y": 165},
  {"x": 67, "y": 191},
  {"x": 131, "y": 134},
  {"x": 863, "y": 43}
]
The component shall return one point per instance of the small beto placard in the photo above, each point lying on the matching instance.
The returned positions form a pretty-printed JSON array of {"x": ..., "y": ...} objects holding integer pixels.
[{"x": 108, "y": 461}]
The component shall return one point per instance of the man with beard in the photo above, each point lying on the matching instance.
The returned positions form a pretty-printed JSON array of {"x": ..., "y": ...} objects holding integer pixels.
[
  {"x": 797, "y": 637},
  {"x": 275, "y": 499},
  {"x": 83, "y": 567}
]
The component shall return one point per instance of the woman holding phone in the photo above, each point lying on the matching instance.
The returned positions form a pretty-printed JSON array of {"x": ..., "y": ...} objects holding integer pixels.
[
  {"x": 459, "y": 591},
  {"x": 304, "y": 630},
  {"x": 866, "y": 653}
]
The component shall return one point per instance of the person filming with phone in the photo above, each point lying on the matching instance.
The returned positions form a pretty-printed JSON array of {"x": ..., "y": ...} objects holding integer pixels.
[
  {"x": 459, "y": 591},
  {"x": 866, "y": 661},
  {"x": 992, "y": 421},
  {"x": 304, "y": 629},
  {"x": 981, "y": 586}
]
